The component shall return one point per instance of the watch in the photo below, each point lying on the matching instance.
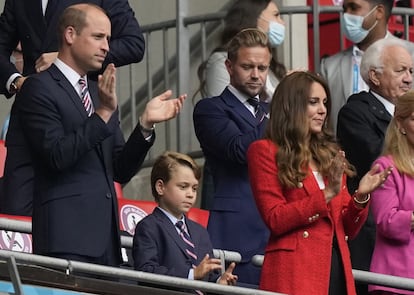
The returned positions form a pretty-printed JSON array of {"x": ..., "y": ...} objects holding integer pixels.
[{"x": 13, "y": 86}]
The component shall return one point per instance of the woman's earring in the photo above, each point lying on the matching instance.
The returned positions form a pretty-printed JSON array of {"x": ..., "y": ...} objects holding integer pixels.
[{"x": 403, "y": 132}]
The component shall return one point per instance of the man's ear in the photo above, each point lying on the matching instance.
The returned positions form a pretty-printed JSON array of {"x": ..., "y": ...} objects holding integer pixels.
[
  {"x": 159, "y": 187},
  {"x": 380, "y": 12},
  {"x": 229, "y": 66},
  {"x": 70, "y": 34},
  {"x": 373, "y": 77}
]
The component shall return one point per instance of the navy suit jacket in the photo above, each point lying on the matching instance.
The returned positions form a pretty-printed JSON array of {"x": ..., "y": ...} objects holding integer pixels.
[
  {"x": 158, "y": 248},
  {"x": 23, "y": 21},
  {"x": 76, "y": 159},
  {"x": 362, "y": 124},
  {"x": 225, "y": 129}
]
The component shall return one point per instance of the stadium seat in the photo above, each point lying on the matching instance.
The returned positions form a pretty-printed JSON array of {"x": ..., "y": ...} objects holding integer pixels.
[
  {"x": 118, "y": 190},
  {"x": 132, "y": 211},
  {"x": 199, "y": 215},
  {"x": 2, "y": 156}
]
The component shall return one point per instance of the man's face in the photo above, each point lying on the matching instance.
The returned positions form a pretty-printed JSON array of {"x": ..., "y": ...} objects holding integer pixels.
[
  {"x": 91, "y": 45},
  {"x": 249, "y": 72},
  {"x": 361, "y": 8},
  {"x": 396, "y": 76}
]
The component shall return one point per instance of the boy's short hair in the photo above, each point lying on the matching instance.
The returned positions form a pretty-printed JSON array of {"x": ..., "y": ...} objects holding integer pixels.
[{"x": 165, "y": 165}]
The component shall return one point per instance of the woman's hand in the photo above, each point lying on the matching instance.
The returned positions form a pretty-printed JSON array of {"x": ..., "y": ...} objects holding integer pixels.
[
  {"x": 373, "y": 179},
  {"x": 335, "y": 175}
]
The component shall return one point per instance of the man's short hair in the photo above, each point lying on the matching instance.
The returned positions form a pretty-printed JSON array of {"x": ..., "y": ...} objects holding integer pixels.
[{"x": 247, "y": 38}]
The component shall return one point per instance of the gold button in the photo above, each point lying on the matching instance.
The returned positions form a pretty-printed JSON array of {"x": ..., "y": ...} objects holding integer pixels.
[
  {"x": 346, "y": 238},
  {"x": 300, "y": 185},
  {"x": 305, "y": 234}
]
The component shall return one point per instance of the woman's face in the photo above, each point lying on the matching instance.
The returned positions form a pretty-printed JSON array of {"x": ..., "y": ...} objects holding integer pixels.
[
  {"x": 316, "y": 109},
  {"x": 270, "y": 13}
]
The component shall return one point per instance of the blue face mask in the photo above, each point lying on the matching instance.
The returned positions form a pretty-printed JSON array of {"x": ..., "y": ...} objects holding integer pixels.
[
  {"x": 276, "y": 33},
  {"x": 351, "y": 26}
]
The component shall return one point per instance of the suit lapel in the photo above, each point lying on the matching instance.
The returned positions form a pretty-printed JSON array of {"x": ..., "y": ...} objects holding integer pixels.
[
  {"x": 233, "y": 102},
  {"x": 68, "y": 88},
  {"x": 171, "y": 230},
  {"x": 378, "y": 109}
]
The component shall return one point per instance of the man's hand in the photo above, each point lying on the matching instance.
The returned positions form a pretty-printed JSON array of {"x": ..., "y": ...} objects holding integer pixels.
[
  {"x": 45, "y": 61},
  {"x": 107, "y": 93},
  {"x": 161, "y": 108}
]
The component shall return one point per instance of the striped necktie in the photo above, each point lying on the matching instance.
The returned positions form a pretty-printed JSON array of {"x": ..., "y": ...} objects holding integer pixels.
[
  {"x": 190, "y": 247},
  {"x": 259, "y": 113},
  {"x": 187, "y": 240},
  {"x": 86, "y": 98}
]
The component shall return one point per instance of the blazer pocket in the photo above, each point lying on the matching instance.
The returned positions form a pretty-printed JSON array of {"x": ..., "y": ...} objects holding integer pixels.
[
  {"x": 286, "y": 243},
  {"x": 226, "y": 204}
]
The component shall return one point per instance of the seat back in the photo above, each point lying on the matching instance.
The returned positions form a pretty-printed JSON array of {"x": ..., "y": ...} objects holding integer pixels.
[
  {"x": 3, "y": 151},
  {"x": 132, "y": 211}
]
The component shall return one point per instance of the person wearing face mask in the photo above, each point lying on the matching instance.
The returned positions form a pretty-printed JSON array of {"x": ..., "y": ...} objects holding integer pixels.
[
  {"x": 213, "y": 75},
  {"x": 243, "y": 14},
  {"x": 363, "y": 23}
]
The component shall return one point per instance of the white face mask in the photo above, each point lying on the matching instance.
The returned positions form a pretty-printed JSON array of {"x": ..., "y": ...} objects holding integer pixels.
[
  {"x": 276, "y": 33},
  {"x": 352, "y": 26}
]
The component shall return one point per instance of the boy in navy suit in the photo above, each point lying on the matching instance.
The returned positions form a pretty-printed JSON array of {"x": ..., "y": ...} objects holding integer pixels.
[{"x": 160, "y": 245}]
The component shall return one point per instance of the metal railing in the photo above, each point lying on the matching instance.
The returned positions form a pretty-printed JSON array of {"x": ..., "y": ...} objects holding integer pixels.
[
  {"x": 195, "y": 36},
  {"x": 70, "y": 267},
  {"x": 225, "y": 256}
]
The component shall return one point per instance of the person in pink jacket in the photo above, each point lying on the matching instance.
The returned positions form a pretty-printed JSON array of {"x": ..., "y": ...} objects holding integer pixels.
[
  {"x": 298, "y": 178},
  {"x": 393, "y": 203}
]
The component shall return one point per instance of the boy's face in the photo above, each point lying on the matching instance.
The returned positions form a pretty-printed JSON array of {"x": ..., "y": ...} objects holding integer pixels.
[{"x": 179, "y": 194}]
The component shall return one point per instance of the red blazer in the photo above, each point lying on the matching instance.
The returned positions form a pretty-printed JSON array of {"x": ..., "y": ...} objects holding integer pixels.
[{"x": 298, "y": 255}]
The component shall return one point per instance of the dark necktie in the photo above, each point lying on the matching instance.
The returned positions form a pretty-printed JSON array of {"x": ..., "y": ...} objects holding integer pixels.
[
  {"x": 86, "y": 98},
  {"x": 258, "y": 109},
  {"x": 187, "y": 240}
]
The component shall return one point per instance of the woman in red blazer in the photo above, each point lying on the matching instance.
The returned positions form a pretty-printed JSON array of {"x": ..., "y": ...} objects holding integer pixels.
[{"x": 298, "y": 177}]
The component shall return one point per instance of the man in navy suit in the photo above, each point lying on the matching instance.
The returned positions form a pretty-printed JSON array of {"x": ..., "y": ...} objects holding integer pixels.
[
  {"x": 76, "y": 144},
  {"x": 225, "y": 126},
  {"x": 166, "y": 241},
  {"x": 25, "y": 21}
]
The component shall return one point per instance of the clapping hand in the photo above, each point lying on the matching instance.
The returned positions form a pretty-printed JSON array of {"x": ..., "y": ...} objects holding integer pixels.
[
  {"x": 373, "y": 179},
  {"x": 335, "y": 175},
  {"x": 162, "y": 108}
]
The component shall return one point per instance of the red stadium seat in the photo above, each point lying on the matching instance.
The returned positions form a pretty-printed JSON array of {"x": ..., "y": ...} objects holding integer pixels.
[
  {"x": 3, "y": 151},
  {"x": 199, "y": 215},
  {"x": 118, "y": 190},
  {"x": 132, "y": 211}
]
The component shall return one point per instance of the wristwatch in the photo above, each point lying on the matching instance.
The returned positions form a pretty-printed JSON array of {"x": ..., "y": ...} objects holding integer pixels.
[{"x": 13, "y": 86}]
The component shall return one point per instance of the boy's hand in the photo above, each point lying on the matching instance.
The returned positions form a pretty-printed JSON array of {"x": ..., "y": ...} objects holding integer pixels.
[
  {"x": 228, "y": 278},
  {"x": 206, "y": 266}
]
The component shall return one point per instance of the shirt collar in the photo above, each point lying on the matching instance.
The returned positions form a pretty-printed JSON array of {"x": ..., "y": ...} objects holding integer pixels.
[
  {"x": 68, "y": 72},
  {"x": 242, "y": 97},
  {"x": 171, "y": 217}
]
